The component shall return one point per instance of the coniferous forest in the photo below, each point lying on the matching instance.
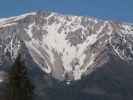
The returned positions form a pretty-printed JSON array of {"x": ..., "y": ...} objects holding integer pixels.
[{"x": 19, "y": 85}]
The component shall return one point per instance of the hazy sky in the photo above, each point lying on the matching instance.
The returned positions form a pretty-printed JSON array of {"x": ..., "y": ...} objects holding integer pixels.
[{"x": 119, "y": 10}]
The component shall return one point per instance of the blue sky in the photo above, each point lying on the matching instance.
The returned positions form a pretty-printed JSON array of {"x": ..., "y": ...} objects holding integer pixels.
[{"x": 118, "y": 10}]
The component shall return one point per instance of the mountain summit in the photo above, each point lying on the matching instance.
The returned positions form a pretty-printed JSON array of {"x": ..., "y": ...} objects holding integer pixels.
[{"x": 65, "y": 47}]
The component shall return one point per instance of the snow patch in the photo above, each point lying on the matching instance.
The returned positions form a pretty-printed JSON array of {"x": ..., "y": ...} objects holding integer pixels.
[
  {"x": 29, "y": 30},
  {"x": 31, "y": 46},
  {"x": 55, "y": 41}
]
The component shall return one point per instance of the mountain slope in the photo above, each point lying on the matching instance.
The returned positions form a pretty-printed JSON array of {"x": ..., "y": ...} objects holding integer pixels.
[{"x": 64, "y": 46}]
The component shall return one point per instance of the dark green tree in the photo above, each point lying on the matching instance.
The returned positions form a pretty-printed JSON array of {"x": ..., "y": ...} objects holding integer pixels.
[{"x": 20, "y": 86}]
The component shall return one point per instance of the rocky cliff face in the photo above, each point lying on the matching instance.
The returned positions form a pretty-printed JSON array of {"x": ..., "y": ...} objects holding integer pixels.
[{"x": 64, "y": 47}]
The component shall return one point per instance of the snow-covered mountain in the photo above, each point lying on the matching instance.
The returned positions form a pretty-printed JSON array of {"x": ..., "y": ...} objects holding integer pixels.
[
  {"x": 64, "y": 46},
  {"x": 67, "y": 48}
]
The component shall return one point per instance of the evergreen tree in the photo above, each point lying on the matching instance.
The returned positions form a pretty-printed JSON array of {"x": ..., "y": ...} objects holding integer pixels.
[{"x": 20, "y": 87}]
